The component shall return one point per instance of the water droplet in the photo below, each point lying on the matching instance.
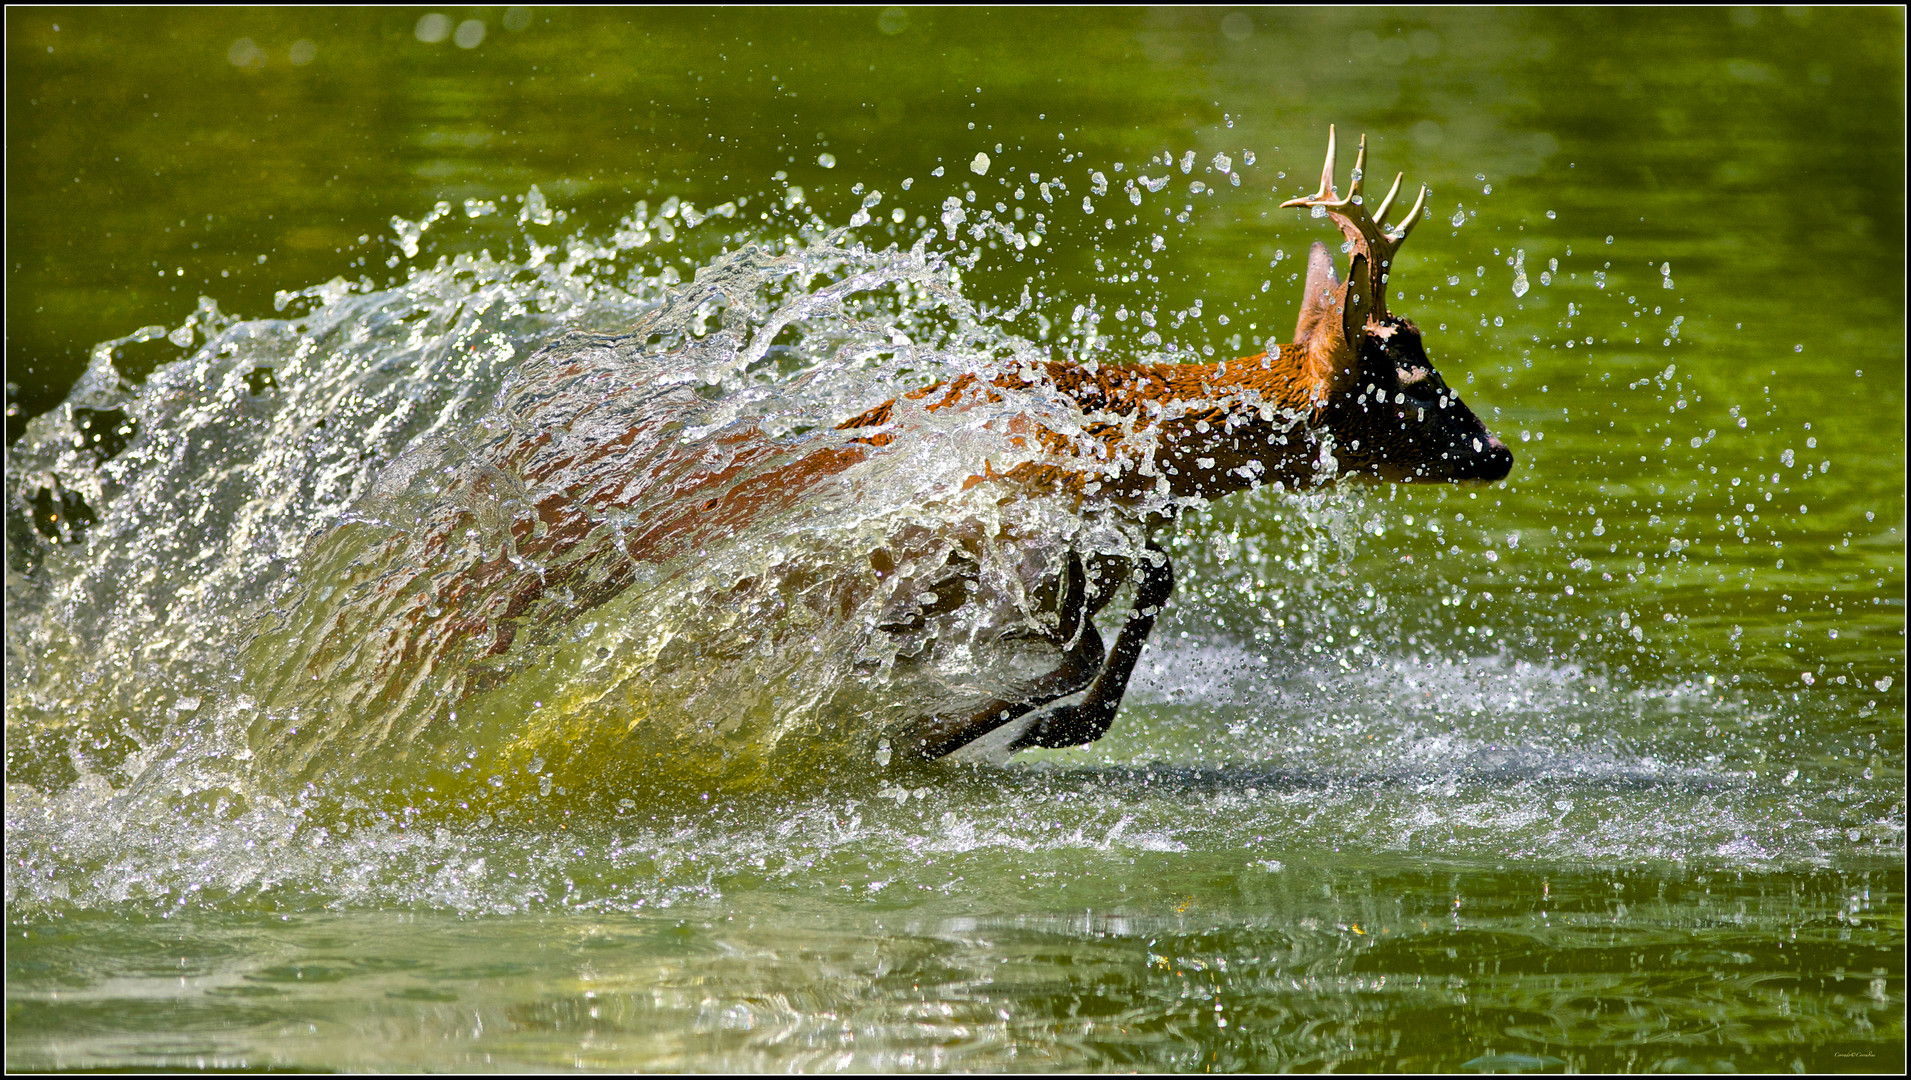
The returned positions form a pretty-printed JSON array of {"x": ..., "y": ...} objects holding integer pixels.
[
  {"x": 432, "y": 28},
  {"x": 245, "y": 53},
  {"x": 980, "y": 166},
  {"x": 826, "y": 160}
]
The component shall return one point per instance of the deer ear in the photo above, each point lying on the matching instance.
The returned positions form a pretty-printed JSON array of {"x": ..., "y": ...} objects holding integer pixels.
[
  {"x": 1331, "y": 324},
  {"x": 1321, "y": 293}
]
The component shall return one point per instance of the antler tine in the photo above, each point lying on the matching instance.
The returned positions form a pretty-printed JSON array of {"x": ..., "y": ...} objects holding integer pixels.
[
  {"x": 1413, "y": 217},
  {"x": 1327, "y": 170},
  {"x": 1326, "y": 193},
  {"x": 1380, "y": 215},
  {"x": 1360, "y": 171}
]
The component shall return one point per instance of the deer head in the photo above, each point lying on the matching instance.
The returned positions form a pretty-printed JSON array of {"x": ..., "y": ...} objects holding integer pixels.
[{"x": 1372, "y": 384}]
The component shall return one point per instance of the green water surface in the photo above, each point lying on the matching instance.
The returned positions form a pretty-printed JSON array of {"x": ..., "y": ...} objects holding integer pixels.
[{"x": 1601, "y": 768}]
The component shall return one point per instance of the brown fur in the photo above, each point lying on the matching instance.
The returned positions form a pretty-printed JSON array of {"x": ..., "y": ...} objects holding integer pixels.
[
  {"x": 1219, "y": 428},
  {"x": 1354, "y": 394}
]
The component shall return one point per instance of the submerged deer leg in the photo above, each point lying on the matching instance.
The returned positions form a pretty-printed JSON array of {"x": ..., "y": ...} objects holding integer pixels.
[
  {"x": 939, "y": 735},
  {"x": 1087, "y": 720}
]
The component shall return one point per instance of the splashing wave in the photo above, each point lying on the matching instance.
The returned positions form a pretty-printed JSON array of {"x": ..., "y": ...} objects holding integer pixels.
[{"x": 457, "y": 540}]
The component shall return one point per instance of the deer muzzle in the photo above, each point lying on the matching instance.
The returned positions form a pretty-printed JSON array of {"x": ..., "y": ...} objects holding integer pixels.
[{"x": 1488, "y": 461}]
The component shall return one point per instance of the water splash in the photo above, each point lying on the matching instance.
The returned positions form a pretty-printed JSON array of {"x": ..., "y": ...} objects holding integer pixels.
[
  {"x": 366, "y": 564},
  {"x": 452, "y": 540}
]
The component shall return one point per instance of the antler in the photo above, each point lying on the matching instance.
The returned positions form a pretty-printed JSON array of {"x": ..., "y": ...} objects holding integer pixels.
[{"x": 1368, "y": 232}]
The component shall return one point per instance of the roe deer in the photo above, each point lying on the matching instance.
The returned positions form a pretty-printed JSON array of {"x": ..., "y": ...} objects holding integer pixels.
[
  {"x": 1353, "y": 394},
  {"x": 1358, "y": 380}
]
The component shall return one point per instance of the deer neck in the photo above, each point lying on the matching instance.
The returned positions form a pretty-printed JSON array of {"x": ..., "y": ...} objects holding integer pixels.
[{"x": 1219, "y": 427}]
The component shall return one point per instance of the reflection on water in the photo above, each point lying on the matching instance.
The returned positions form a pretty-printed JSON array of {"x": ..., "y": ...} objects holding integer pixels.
[
  {"x": 1596, "y": 769},
  {"x": 1304, "y": 965}
]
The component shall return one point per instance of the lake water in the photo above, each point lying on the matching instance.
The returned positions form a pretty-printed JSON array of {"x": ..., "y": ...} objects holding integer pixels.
[{"x": 1599, "y": 768}]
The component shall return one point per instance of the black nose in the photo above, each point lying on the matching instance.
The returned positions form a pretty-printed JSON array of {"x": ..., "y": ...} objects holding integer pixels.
[{"x": 1490, "y": 463}]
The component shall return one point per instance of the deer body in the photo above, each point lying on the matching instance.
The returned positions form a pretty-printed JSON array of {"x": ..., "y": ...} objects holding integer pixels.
[{"x": 1354, "y": 394}]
